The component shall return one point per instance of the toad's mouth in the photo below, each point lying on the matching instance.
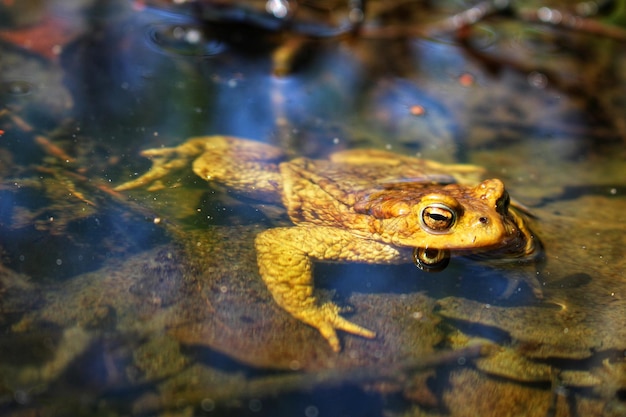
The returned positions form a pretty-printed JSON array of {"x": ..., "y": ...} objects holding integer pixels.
[{"x": 522, "y": 242}]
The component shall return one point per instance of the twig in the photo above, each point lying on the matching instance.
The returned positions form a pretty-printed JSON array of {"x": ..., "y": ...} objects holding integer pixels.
[{"x": 298, "y": 382}]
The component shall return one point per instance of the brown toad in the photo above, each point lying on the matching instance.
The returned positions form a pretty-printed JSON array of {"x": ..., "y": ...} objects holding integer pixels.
[{"x": 364, "y": 205}]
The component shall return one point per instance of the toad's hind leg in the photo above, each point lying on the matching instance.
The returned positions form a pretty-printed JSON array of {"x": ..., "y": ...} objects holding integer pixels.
[
  {"x": 285, "y": 259},
  {"x": 164, "y": 162},
  {"x": 243, "y": 166}
]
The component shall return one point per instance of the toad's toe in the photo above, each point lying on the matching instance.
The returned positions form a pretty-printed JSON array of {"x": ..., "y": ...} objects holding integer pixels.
[{"x": 330, "y": 321}]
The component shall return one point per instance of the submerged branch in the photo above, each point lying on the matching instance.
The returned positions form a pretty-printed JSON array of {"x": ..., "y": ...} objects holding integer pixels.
[{"x": 298, "y": 382}]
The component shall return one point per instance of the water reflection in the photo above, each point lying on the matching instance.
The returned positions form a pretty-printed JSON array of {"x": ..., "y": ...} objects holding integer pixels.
[
  {"x": 182, "y": 39},
  {"x": 152, "y": 302}
]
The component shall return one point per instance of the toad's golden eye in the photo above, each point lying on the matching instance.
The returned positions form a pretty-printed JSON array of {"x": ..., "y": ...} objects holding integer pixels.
[{"x": 437, "y": 218}]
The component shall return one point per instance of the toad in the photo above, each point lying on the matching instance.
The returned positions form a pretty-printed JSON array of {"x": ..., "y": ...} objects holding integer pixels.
[{"x": 360, "y": 205}]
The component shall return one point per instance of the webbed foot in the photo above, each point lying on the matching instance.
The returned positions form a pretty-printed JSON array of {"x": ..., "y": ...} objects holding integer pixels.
[
  {"x": 327, "y": 321},
  {"x": 164, "y": 161}
]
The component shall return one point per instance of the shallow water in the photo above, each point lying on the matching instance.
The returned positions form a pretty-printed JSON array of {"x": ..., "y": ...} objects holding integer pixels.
[{"x": 150, "y": 302}]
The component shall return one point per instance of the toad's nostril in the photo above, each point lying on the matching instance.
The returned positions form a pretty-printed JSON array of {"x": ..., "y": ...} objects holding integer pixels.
[{"x": 483, "y": 220}]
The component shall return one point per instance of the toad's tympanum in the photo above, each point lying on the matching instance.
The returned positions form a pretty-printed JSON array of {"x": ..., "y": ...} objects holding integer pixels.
[{"x": 362, "y": 205}]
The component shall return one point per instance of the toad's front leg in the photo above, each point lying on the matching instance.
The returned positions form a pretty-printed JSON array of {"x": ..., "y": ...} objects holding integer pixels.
[{"x": 285, "y": 259}]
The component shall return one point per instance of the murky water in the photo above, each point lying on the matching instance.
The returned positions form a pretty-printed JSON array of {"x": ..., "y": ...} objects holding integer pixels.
[{"x": 150, "y": 302}]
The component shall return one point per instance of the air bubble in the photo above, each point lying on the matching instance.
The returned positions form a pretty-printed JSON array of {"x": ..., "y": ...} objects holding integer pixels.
[{"x": 18, "y": 87}]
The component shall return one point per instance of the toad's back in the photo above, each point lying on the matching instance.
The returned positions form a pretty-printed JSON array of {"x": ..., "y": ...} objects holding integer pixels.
[{"x": 341, "y": 192}]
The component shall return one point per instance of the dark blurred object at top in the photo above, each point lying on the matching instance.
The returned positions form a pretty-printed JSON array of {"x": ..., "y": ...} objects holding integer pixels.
[{"x": 312, "y": 18}]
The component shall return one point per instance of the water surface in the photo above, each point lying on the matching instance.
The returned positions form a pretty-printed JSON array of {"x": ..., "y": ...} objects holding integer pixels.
[{"x": 149, "y": 303}]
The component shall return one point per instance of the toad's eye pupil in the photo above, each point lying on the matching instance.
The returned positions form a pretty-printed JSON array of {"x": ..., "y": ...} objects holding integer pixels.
[{"x": 438, "y": 217}]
